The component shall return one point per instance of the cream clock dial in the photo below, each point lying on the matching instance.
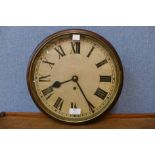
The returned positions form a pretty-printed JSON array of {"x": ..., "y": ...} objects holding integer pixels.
[{"x": 74, "y": 75}]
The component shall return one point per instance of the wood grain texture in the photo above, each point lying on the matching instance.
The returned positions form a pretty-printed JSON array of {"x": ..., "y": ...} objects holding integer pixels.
[{"x": 18, "y": 120}]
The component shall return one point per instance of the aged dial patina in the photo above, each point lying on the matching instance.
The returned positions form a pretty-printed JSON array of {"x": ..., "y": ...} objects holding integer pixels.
[{"x": 74, "y": 75}]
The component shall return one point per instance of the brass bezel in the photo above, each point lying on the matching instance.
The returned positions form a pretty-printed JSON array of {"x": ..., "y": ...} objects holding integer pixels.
[{"x": 36, "y": 54}]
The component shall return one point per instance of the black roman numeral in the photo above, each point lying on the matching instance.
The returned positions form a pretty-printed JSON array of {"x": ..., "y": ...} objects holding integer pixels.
[
  {"x": 101, "y": 63},
  {"x": 105, "y": 78},
  {"x": 49, "y": 63},
  {"x": 60, "y": 51},
  {"x": 90, "y": 52},
  {"x": 44, "y": 78},
  {"x": 73, "y": 105},
  {"x": 48, "y": 92},
  {"x": 76, "y": 47},
  {"x": 58, "y": 104},
  {"x": 101, "y": 93}
]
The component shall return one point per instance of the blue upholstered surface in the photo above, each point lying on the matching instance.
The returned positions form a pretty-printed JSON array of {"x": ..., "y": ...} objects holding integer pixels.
[{"x": 135, "y": 46}]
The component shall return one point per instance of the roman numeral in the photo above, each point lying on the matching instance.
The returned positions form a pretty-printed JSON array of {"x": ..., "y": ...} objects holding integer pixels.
[
  {"x": 49, "y": 63},
  {"x": 58, "y": 104},
  {"x": 90, "y": 52},
  {"x": 101, "y": 93},
  {"x": 48, "y": 92},
  {"x": 73, "y": 105},
  {"x": 44, "y": 78},
  {"x": 105, "y": 78},
  {"x": 101, "y": 63},
  {"x": 60, "y": 51},
  {"x": 76, "y": 47}
]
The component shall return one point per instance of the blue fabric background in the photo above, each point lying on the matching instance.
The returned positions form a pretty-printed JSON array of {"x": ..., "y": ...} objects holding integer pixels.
[{"x": 135, "y": 46}]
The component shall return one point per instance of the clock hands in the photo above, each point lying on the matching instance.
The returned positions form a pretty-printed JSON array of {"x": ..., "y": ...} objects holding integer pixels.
[
  {"x": 75, "y": 79},
  {"x": 57, "y": 84}
]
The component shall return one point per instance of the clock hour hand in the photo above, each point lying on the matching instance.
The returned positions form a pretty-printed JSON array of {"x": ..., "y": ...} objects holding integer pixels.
[
  {"x": 91, "y": 107},
  {"x": 57, "y": 84}
]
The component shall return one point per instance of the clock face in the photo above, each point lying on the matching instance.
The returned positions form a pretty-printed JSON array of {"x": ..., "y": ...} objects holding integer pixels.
[{"x": 74, "y": 75}]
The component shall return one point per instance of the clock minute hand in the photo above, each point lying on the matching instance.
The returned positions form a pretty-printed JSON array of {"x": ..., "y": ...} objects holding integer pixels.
[{"x": 75, "y": 79}]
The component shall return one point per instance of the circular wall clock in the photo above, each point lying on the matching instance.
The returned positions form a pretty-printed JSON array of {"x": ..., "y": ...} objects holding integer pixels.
[{"x": 74, "y": 75}]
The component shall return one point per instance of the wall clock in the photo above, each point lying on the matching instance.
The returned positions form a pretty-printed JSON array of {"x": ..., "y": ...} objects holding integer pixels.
[{"x": 74, "y": 75}]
